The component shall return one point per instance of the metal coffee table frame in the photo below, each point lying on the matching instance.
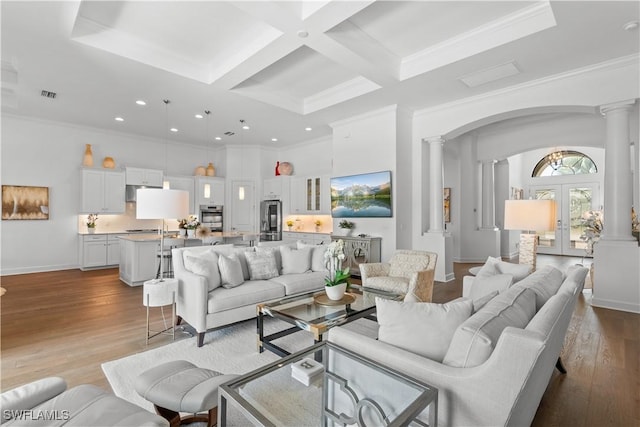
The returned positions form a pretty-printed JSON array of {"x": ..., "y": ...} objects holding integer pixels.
[{"x": 317, "y": 326}]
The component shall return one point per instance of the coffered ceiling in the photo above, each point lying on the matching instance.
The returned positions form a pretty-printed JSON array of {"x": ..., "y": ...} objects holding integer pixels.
[{"x": 285, "y": 66}]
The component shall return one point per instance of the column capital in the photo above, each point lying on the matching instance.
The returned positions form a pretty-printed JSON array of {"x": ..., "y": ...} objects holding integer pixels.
[
  {"x": 489, "y": 162},
  {"x": 621, "y": 105},
  {"x": 438, "y": 139}
]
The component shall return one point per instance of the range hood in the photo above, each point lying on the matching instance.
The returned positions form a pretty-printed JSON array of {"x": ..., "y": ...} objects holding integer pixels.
[{"x": 130, "y": 193}]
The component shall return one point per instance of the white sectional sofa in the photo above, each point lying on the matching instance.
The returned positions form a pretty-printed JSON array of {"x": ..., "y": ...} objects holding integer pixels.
[
  {"x": 495, "y": 365},
  {"x": 206, "y": 302}
]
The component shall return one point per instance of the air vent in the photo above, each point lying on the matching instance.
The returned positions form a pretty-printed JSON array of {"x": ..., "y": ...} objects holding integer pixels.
[
  {"x": 48, "y": 94},
  {"x": 229, "y": 133}
]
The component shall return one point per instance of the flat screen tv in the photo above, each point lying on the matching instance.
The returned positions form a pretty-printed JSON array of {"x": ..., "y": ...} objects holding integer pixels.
[{"x": 361, "y": 196}]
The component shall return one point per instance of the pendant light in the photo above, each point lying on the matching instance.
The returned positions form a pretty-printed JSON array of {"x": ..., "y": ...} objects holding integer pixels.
[
  {"x": 165, "y": 183},
  {"x": 241, "y": 187},
  {"x": 207, "y": 186}
]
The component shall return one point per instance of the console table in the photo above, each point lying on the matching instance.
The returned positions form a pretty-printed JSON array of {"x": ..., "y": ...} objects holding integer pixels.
[{"x": 359, "y": 250}]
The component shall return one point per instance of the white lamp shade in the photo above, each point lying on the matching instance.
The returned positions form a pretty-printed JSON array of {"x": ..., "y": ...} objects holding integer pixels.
[
  {"x": 533, "y": 215},
  {"x": 156, "y": 203}
]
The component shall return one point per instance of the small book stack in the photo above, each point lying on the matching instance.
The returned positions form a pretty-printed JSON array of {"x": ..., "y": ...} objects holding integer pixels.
[{"x": 307, "y": 371}]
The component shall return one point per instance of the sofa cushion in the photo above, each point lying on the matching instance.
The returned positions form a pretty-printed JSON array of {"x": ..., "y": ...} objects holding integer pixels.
[
  {"x": 230, "y": 270},
  {"x": 203, "y": 264},
  {"x": 474, "y": 340},
  {"x": 251, "y": 292},
  {"x": 317, "y": 255},
  {"x": 545, "y": 282},
  {"x": 262, "y": 265},
  {"x": 301, "y": 282},
  {"x": 295, "y": 260},
  {"x": 486, "y": 285},
  {"x": 404, "y": 264},
  {"x": 420, "y": 327},
  {"x": 495, "y": 266},
  {"x": 399, "y": 285}
]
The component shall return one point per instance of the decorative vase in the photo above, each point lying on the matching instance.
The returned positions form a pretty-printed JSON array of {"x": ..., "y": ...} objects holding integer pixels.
[
  {"x": 182, "y": 232},
  {"x": 290, "y": 227},
  {"x": 285, "y": 168},
  {"x": 91, "y": 230},
  {"x": 347, "y": 231},
  {"x": 191, "y": 232},
  {"x": 211, "y": 171},
  {"x": 335, "y": 293},
  {"x": 317, "y": 228},
  {"x": 277, "y": 168},
  {"x": 108, "y": 163},
  {"x": 200, "y": 171},
  {"x": 88, "y": 156}
]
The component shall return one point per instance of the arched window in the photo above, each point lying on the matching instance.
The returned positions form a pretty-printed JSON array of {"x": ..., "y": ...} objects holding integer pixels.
[{"x": 564, "y": 163}]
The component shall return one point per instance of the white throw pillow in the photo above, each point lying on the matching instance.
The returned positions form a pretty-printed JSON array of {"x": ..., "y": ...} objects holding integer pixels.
[
  {"x": 243, "y": 260},
  {"x": 518, "y": 271},
  {"x": 421, "y": 327},
  {"x": 230, "y": 271},
  {"x": 295, "y": 260},
  {"x": 275, "y": 250},
  {"x": 317, "y": 255},
  {"x": 490, "y": 268},
  {"x": 262, "y": 265},
  {"x": 203, "y": 264},
  {"x": 485, "y": 285}
]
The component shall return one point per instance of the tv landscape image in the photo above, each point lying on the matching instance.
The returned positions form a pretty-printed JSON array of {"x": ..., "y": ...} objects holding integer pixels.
[{"x": 360, "y": 196}]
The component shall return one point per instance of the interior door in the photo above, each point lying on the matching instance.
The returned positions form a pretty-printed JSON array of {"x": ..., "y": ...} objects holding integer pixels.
[
  {"x": 243, "y": 211},
  {"x": 572, "y": 201}
]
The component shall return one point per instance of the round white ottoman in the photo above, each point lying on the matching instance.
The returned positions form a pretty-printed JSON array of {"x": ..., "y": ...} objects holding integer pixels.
[{"x": 180, "y": 386}]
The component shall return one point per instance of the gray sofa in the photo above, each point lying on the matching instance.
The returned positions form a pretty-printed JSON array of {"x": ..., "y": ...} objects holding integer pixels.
[
  {"x": 492, "y": 373},
  {"x": 205, "y": 305},
  {"x": 47, "y": 402}
]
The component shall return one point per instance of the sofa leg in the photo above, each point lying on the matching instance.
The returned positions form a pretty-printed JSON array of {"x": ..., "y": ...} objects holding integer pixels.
[
  {"x": 560, "y": 367},
  {"x": 200, "y": 339}
]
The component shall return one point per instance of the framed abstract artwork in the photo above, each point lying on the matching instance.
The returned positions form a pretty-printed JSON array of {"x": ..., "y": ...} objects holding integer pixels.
[
  {"x": 447, "y": 204},
  {"x": 23, "y": 202}
]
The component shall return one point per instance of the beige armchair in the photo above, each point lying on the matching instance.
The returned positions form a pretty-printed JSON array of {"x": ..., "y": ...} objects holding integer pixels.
[{"x": 409, "y": 272}]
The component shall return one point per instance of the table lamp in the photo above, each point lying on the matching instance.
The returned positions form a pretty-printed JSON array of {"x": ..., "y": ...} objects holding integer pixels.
[
  {"x": 157, "y": 203},
  {"x": 529, "y": 215}
]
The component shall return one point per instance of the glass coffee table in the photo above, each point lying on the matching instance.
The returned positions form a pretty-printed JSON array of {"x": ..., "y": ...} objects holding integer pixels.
[
  {"x": 314, "y": 313},
  {"x": 348, "y": 389}
]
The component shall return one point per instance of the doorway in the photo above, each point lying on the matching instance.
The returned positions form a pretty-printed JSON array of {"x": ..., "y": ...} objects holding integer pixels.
[
  {"x": 572, "y": 201},
  {"x": 243, "y": 210}
]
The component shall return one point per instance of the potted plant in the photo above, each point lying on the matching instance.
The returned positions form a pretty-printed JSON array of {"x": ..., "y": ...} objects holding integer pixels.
[
  {"x": 335, "y": 284},
  {"x": 346, "y": 226},
  {"x": 318, "y": 223},
  {"x": 191, "y": 225},
  {"x": 289, "y": 224},
  {"x": 91, "y": 223}
]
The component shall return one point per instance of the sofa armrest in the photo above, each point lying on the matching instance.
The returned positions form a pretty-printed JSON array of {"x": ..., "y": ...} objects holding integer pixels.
[
  {"x": 467, "y": 282},
  {"x": 482, "y": 395},
  {"x": 373, "y": 269},
  {"x": 420, "y": 286},
  {"x": 191, "y": 303},
  {"x": 30, "y": 395}
]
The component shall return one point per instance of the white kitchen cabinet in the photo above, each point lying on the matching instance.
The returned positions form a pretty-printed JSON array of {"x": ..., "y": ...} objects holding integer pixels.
[
  {"x": 311, "y": 195},
  {"x": 273, "y": 188},
  {"x": 213, "y": 196},
  {"x": 309, "y": 238},
  {"x": 185, "y": 183},
  {"x": 99, "y": 250},
  {"x": 102, "y": 191},
  {"x": 140, "y": 176},
  {"x": 138, "y": 261}
]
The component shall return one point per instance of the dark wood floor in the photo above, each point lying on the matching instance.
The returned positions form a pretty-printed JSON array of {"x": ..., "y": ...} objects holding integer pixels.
[{"x": 68, "y": 323}]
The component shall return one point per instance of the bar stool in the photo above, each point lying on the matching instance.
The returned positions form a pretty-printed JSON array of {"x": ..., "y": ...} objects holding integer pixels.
[{"x": 169, "y": 243}]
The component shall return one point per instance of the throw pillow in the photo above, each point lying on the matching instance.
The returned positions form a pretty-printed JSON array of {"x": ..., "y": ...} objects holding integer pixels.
[
  {"x": 230, "y": 271},
  {"x": 203, "y": 264},
  {"x": 518, "y": 271},
  {"x": 490, "y": 268},
  {"x": 485, "y": 285},
  {"x": 420, "y": 327},
  {"x": 262, "y": 265},
  {"x": 295, "y": 260},
  {"x": 243, "y": 260},
  {"x": 317, "y": 255},
  {"x": 275, "y": 250}
]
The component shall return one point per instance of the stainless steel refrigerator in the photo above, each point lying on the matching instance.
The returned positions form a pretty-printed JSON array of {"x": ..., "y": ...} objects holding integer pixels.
[{"x": 271, "y": 220}]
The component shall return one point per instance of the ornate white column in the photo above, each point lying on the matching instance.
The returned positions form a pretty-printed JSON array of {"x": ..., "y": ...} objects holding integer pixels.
[
  {"x": 618, "y": 197},
  {"x": 436, "y": 183},
  {"x": 488, "y": 195}
]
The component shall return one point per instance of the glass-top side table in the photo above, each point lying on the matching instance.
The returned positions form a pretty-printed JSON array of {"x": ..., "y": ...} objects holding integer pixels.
[
  {"x": 307, "y": 312},
  {"x": 350, "y": 389}
]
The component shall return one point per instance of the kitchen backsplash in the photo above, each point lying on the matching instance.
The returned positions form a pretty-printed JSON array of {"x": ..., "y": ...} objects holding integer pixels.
[
  {"x": 126, "y": 221},
  {"x": 307, "y": 223}
]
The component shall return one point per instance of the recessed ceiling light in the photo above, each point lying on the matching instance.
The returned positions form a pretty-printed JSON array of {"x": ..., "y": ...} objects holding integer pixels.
[
  {"x": 119, "y": 119},
  {"x": 245, "y": 127},
  {"x": 308, "y": 129},
  {"x": 218, "y": 138},
  {"x": 274, "y": 139},
  {"x": 199, "y": 116},
  {"x": 173, "y": 130},
  {"x": 141, "y": 102}
]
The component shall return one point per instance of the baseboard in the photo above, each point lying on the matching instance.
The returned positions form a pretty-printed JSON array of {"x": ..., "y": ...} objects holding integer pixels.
[
  {"x": 470, "y": 260},
  {"x": 449, "y": 277},
  {"x": 615, "y": 305},
  {"x": 35, "y": 269}
]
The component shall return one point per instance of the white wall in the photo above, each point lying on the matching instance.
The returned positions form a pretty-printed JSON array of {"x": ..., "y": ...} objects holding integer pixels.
[
  {"x": 402, "y": 180},
  {"x": 367, "y": 143},
  {"x": 49, "y": 154}
]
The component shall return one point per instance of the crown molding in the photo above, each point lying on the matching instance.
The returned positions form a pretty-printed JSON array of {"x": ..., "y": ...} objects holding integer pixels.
[{"x": 367, "y": 115}]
